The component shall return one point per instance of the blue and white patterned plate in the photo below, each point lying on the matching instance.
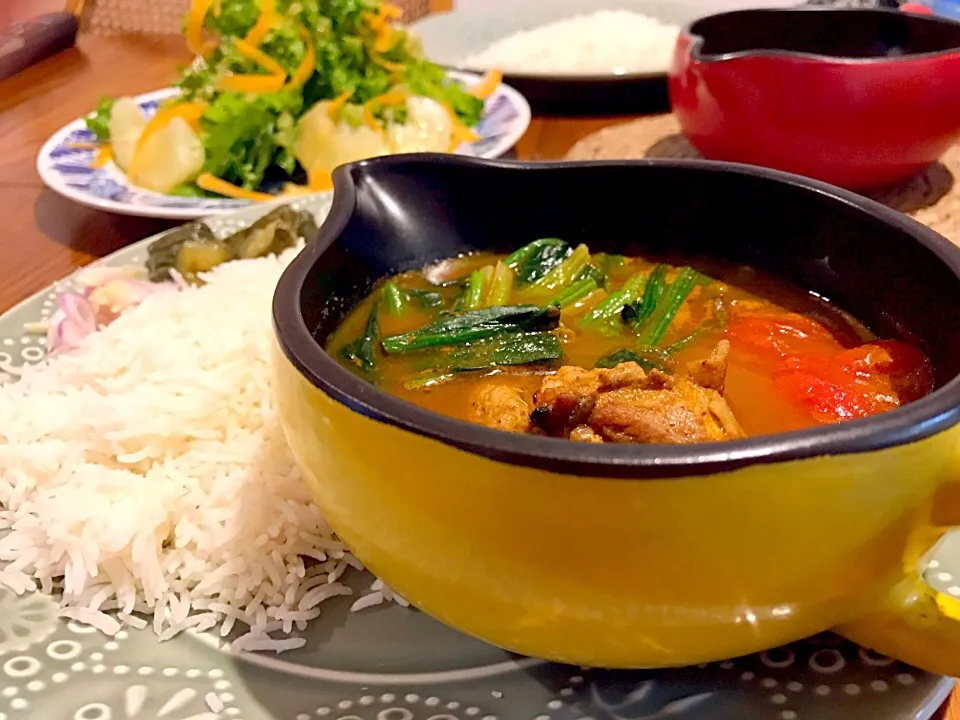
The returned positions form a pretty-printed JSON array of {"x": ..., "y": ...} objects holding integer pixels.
[
  {"x": 68, "y": 170},
  {"x": 394, "y": 663}
]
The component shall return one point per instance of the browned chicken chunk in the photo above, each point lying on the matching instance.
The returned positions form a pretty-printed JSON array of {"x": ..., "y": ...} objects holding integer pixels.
[
  {"x": 627, "y": 405},
  {"x": 584, "y": 433},
  {"x": 500, "y": 406},
  {"x": 712, "y": 372}
]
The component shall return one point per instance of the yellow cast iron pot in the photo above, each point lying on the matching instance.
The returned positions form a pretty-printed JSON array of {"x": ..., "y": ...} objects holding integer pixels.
[{"x": 634, "y": 556}]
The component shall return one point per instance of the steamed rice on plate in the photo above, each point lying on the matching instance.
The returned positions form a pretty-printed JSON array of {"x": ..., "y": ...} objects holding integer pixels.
[
  {"x": 144, "y": 476},
  {"x": 606, "y": 42}
]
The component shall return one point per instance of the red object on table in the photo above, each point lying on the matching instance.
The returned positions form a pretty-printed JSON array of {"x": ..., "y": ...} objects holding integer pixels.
[
  {"x": 857, "y": 98},
  {"x": 26, "y": 43},
  {"x": 915, "y": 8}
]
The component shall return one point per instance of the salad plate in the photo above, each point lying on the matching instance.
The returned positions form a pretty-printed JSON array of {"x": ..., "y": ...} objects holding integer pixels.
[
  {"x": 67, "y": 161},
  {"x": 390, "y": 662}
]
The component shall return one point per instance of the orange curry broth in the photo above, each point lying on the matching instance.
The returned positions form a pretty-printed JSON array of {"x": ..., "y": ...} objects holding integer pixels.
[{"x": 796, "y": 361}]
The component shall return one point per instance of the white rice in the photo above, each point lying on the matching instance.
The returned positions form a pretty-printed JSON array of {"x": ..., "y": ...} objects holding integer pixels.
[
  {"x": 608, "y": 41},
  {"x": 147, "y": 472},
  {"x": 214, "y": 703}
]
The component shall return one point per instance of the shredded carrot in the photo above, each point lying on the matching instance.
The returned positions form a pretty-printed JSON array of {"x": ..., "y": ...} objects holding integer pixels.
[
  {"x": 390, "y": 11},
  {"x": 335, "y": 105},
  {"x": 392, "y": 97},
  {"x": 251, "y": 52},
  {"x": 189, "y": 112},
  {"x": 103, "y": 156},
  {"x": 384, "y": 14},
  {"x": 380, "y": 23},
  {"x": 194, "y": 27},
  {"x": 213, "y": 184},
  {"x": 307, "y": 65},
  {"x": 263, "y": 25},
  {"x": 459, "y": 132},
  {"x": 384, "y": 40},
  {"x": 488, "y": 83},
  {"x": 393, "y": 67},
  {"x": 370, "y": 119},
  {"x": 319, "y": 180},
  {"x": 252, "y": 83},
  {"x": 81, "y": 145},
  {"x": 247, "y": 83}
]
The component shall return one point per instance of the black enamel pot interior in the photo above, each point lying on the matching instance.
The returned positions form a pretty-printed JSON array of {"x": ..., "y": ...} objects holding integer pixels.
[
  {"x": 402, "y": 212},
  {"x": 638, "y": 94},
  {"x": 850, "y": 34}
]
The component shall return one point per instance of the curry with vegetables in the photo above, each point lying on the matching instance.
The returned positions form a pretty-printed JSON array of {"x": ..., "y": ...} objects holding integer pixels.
[{"x": 556, "y": 340}]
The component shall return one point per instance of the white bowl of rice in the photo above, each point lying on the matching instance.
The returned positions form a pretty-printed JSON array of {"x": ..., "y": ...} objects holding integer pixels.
[{"x": 565, "y": 38}]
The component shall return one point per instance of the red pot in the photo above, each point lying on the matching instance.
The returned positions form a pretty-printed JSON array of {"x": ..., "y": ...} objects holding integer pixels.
[{"x": 857, "y": 98}]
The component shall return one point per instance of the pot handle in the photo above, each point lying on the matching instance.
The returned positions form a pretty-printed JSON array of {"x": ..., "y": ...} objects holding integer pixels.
[{"x": 915, "y": 623}]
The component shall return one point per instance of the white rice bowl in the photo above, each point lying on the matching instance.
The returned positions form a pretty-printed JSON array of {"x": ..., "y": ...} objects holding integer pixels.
[{"x": 601, "y": 43}]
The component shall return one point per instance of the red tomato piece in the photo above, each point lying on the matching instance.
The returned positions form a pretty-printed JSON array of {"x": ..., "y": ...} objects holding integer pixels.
[
  {"x": 768, "y": 336},
  {"x": 815, "y": 372},
  {"x": 824, "y": 400},
  {"x": 855, "y": 383}
]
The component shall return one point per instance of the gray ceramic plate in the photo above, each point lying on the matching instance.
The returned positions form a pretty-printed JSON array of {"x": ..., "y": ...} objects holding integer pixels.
[{"x": 394, "y": 663}]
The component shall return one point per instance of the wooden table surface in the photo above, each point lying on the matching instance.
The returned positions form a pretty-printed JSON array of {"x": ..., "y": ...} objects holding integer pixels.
[{"x": 45, "y": 237}]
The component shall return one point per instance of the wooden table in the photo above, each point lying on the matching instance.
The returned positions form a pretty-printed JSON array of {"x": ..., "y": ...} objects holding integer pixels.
[{"x": 45, "y": 237}]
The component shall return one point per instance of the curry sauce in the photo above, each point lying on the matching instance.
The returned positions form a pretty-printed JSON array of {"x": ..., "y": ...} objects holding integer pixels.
[{"x": 790, "y": 360}]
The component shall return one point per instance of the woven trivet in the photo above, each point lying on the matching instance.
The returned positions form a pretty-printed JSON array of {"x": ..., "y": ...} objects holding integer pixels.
[{"x": 931, "y": 197}]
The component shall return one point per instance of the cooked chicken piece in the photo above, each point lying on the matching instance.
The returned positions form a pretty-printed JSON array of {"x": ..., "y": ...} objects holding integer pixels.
[
  {"x": 627, "y": 405},
  {"x": 712, "y": 372},
  {"x": 584, "y": 433},
  {"x": 565, "y": 399},
  {"x": 679, "y": 411},
  {"x": 500, "y": 406}
]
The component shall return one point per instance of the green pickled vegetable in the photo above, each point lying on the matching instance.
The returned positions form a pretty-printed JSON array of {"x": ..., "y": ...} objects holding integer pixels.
[
  {"x": 200, "y": 256},
  {"x": 193, "y": 248},
  {"x": 162, "y": 252},
  {"x": 474, "y": 325},
  {"x": 276, "y": 231}
]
